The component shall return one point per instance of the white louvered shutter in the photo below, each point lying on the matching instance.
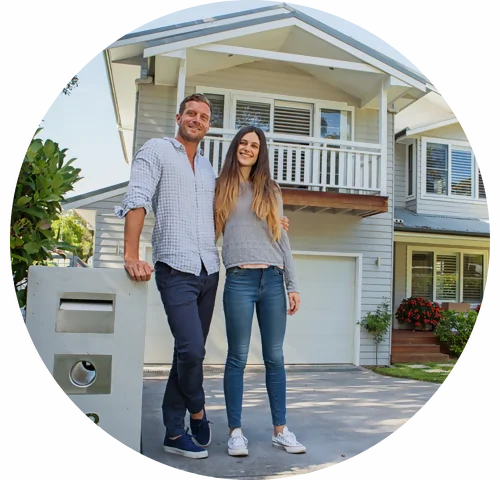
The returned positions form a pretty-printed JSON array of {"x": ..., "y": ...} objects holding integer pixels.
[
  {"x": 461, "y": 172},
  {"x": 447, "y": 277},
  {"x": 437, "y": 169},
  {"x": 473, "y": 278},
  {"x": 257, "y": 114},
  {"x": 422, "y": 275}
]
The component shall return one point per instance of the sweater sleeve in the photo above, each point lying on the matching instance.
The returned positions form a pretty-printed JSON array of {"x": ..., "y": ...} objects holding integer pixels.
[{"x": 284, "y": 243}]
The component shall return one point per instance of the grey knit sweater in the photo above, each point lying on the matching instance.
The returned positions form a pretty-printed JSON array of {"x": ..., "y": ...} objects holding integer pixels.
[{"x": 247, "y": 240}]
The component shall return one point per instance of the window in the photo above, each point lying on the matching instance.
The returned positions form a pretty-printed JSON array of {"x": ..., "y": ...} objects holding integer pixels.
[
  {"x": 451, "y": 170},
  {"x": 410, "y": 171},
  {"x": 253, "y": 113},
  {"x": 447, "y": 276},
  {"x": 217, "y": 101}
]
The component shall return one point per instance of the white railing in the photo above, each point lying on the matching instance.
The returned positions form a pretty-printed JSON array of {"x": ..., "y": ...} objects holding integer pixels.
[{"x": 307, "y": 162}]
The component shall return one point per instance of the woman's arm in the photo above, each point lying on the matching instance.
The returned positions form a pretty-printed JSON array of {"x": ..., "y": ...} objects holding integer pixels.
[{"x": 284, "y": 243}]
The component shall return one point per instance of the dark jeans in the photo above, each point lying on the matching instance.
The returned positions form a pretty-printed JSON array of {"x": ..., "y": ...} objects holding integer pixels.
[
  {"x": 246, "y": 290},
  {"x": 189, "y": 304}
]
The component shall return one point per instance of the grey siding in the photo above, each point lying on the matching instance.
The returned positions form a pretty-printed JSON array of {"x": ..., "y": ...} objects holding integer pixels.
[
  {"x": 445, "y": 206},
  {"x": 156, "y": 111}
]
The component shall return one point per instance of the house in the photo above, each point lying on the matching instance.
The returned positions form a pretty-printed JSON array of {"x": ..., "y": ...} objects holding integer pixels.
[
  {"x": 441, "y": 229},
  {"x": 327, "y": 103}
]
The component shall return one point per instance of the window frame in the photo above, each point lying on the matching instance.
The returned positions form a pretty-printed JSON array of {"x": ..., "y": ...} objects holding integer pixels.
[
  {"x": 410, "y": 249},
  {"x": 414, "y": 144},
  {"x": 449, "y": 197},
  {"x": 230, "y": 97}
]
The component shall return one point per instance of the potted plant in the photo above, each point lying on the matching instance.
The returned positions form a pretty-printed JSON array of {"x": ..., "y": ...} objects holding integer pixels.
[
  {"x": 378, "y": 324},
  {"x": 420, "y": 313}
]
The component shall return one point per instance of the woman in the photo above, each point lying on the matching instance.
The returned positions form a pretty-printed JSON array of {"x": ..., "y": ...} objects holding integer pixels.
[{"x": 257, "y": 257}]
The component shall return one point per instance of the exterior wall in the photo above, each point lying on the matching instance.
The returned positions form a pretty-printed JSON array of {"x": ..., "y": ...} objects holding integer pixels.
[
  {"x": 258, "y": 77},
  {"x": 433, "y": 206},
  {"x": 373, "y": 236},
  {"x": 400, "y": 261}
]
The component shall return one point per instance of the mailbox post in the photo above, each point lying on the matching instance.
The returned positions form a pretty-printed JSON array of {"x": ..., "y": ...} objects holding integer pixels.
[{"x": 88, "y": 326}]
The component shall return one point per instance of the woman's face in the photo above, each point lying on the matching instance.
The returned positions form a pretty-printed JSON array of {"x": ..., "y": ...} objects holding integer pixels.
[{"x": 248, "y": 150}]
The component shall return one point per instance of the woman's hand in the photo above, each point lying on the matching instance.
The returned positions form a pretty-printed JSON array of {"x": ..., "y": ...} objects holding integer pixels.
[
  {"x": 294, "y": 302},
  {"x": 285, "y": 223}
]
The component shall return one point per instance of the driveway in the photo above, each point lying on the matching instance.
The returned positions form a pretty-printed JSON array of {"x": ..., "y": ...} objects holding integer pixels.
[{"x": 336, "y": 412}]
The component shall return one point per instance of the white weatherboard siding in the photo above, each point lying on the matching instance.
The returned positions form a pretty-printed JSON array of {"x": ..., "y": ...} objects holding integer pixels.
[
  {"x": 322, "y": 232},
  {"x": 322, "y": 332}
]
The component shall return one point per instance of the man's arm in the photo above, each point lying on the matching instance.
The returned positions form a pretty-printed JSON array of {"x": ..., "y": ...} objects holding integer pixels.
[
  {"x": 138, "y": 270},
  {"x": 144, "y": 177}
]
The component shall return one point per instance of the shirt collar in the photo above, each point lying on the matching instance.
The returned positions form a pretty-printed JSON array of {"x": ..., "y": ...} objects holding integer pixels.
[{"x": 180, "y": 147}]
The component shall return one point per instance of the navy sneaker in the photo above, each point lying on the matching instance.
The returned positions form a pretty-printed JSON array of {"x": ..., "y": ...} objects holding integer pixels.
[
  {"x": 184, "y": 446},
  {"x": 200, "y": 429}
]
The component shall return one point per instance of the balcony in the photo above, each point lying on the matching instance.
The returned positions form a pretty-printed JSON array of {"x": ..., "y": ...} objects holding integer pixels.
[{"x": 318, "y": 174}]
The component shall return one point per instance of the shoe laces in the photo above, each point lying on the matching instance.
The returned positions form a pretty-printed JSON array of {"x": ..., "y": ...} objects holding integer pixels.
[
  {"x": 238, "y": 440},
  {"x": 288, "y": 437}
]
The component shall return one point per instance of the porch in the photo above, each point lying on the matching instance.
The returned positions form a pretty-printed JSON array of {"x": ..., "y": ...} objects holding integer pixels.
[{"x": 317, "y": 174}]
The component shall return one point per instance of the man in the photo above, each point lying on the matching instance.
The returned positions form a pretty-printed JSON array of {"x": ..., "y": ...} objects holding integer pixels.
[{"x": 172, "y": 178}]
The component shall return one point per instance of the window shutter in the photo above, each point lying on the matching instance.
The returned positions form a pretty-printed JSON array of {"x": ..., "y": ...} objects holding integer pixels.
[
  {"x": 483, "y": 188},
  {"x": 461, "y": 173},
  {"x": 253, "y": 113},
  {"x": 437, "y": 169},
  {"x": 446, "y": 278},
  {"x": 291, "y": 119},
  {"x": 473, "y": 278}
]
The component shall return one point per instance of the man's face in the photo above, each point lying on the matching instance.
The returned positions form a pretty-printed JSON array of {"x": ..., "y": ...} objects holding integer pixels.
[{"x": 194, "y": 121}]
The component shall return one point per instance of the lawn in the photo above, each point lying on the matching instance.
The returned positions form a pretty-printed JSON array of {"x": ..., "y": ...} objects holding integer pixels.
[{"x": 403, "y": 370}]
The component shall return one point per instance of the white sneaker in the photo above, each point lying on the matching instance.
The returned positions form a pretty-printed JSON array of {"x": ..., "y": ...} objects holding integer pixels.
[
  {"x": 237, "y": 444},
  {"x": 287, "y": 441}
]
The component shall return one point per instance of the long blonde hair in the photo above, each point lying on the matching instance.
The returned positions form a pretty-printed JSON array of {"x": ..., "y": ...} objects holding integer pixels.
[{"x": 265, "y": 189}]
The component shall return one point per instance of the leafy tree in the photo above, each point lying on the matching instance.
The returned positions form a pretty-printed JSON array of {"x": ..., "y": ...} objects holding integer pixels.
[
  {"x": 44, "y": 179},
  {"x": 72, "y": 229},
  {"x": 72, "y": 84}
]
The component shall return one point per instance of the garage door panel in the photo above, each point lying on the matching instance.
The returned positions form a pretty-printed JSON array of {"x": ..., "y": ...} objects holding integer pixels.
[{"x": 321, "y": 332}]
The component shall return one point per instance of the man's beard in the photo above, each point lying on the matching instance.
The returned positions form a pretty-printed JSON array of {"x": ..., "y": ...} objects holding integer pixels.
[{"x": 183, "y": 132}]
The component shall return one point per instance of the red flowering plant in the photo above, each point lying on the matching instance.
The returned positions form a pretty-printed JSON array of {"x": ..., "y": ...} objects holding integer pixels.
[{"x": 420, "y": 312}]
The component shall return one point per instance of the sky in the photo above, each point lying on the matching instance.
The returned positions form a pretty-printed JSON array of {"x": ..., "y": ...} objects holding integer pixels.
[{"x": 84, "y": 122}]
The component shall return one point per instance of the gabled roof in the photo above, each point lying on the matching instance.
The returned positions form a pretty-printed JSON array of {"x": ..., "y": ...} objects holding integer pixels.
[{"x": 171, "y": 37}]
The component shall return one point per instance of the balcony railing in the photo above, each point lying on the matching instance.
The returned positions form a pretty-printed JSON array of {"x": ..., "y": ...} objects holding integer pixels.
[{"x": 313, "y": 163}]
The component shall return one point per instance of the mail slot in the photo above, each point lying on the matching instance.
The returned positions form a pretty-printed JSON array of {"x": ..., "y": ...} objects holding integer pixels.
[{"x": 86, "y": 313}]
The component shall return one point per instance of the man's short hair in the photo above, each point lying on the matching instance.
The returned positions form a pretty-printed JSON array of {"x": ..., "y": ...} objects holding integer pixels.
[{"x": 196, "y": 97}]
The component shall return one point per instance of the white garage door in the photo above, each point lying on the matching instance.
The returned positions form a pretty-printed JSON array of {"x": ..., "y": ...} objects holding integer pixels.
[{"x": 321, "y": 332}]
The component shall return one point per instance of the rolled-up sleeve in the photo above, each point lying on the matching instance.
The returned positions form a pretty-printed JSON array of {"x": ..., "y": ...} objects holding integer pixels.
[{"x": 144, "y": 177}]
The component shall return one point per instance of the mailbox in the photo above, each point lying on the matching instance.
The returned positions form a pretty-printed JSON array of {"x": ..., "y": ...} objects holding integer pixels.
[{"x": 88, "y": 326}]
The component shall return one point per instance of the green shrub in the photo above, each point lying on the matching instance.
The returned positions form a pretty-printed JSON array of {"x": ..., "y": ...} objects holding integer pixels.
[
  {"x": 455, "y": 329},
  {"x": 378, "y": 324}
]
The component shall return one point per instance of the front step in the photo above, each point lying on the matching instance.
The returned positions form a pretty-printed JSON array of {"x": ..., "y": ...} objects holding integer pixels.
[
  {"x": 419, "y": 357},
  {"x": 416, "y": 348}
]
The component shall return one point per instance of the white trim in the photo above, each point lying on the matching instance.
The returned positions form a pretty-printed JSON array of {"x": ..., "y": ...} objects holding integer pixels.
[
  {"x": 181, "y": 83},
  {"x": 206, "y": 23},
  {"x": 364, "y": 57},
  {"x": 431, "y": 126},
  {"x": 449, "y": 197},
  {"x": 443, "y": 250},
  {"x": 383, "y": 132},
  {"x": 358, "y": 257},
  {"x": 436, "y": 238},
  {"x": 413, "y": 196},
  {"x": 93, "y": 199},
  {"x": 288, "y": 57},
  {"x": 225, "y": 91},
  {"x": 218, "y": 37}
]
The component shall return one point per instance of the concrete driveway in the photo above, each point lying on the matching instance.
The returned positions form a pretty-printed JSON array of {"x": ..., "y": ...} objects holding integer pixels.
[{"x": 336, "y": 412}]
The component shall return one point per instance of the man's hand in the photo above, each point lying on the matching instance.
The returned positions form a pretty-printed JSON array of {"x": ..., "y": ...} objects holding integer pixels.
[
  {"x": 139, "y": 270},
  {"x": 294, "y": 302},
  {"x": 285, "y": 223}
]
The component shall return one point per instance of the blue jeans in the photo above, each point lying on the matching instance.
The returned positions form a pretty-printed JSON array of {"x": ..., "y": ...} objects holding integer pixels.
[
  {"x": 261, "y": 289},
  {"x": 189, "y": 302}
]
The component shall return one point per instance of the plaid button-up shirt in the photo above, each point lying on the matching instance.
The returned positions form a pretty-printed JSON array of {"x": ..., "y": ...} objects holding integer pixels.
[{"x": 163, "y": 181}]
